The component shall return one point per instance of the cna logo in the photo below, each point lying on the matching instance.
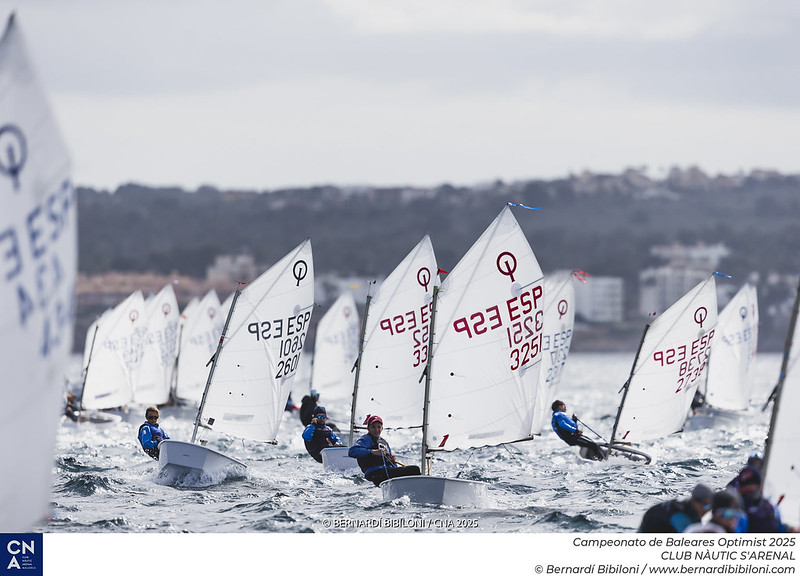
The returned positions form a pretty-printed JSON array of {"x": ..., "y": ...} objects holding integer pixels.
[
  {"x": 13, "y": 152},
  {"x": 21, "y": 554}
]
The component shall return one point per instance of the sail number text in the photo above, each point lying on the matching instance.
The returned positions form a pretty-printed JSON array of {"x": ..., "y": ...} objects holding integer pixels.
[
  {"x": 557, "y": 345},
  {"x": 291, "y": 336},
  {"x": 417, "y": 324},
  {"x": 738, "y": 337},
  {"x": 522, "y": 316},
  {"x": 690, "y": 358},
  {"x": 31, "y": 264}
]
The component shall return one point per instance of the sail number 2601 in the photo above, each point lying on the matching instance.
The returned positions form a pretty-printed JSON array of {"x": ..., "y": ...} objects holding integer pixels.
[{"x": 290, "y": 335}]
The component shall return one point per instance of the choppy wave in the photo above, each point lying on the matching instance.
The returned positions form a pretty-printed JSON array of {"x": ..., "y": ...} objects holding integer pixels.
[{"x": 103, "y": 482}]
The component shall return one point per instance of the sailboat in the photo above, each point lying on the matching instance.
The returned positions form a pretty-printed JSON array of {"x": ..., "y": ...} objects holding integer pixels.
[
  {"x": 668, "y": 367},
  {"x": 115, "y": 359},
  {"x": 393, "y": 350},
  {"x": 199, "y": 336},
  {"x": 781, "y": 456},
  {"x": 89, "y": 415},
  {"x": 39, "y": 259},
  {"x": 733, "y": 355},
  {"x": 335, "y": 352},
  {"x": 253, "y": 368},
  {"x": 559, "y": 319},
  {"x": 160, "y": 348},
  {"x": 484, "y": 356}
]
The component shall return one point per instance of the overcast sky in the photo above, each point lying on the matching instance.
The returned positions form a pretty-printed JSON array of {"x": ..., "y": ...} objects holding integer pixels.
[{"x": 264, "y": 94}]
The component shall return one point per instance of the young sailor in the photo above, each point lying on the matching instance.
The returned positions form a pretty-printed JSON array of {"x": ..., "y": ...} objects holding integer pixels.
[
  {"x": 375, "y": 455},
  {"x": 567, "y": 430},
  {"x": 318, "y": 436},
  {"x": 677, "y": 515},
  {"x": 150, "y": 433},
  {"x": 307, "y": 406}
]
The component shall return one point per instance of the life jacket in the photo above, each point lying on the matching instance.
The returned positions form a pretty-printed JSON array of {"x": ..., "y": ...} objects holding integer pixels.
[
  {"x": 761, "y": 517},
  {"x": 566, "y": 435},
  {"x": 371, "y": 461},
  {"x": 657, "y": 518},
  {"x": 320, "y": 440},
  {"x": 152, "y": 452}
]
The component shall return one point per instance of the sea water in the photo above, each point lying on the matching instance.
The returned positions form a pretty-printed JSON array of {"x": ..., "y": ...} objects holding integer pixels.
[{"x": 104, "y": 483}]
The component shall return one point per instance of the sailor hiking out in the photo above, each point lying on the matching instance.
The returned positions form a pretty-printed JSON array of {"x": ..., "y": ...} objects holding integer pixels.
[{"x": 567, "y": 430}]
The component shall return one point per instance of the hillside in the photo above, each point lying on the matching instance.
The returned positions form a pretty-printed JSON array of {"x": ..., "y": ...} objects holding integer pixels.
[{"x": 603, "y": 224}]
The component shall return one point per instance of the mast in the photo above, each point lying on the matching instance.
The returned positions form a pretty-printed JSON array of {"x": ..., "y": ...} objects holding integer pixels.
[
  {"x": 358, "y": 371},
  {"x": 776, "y": 392},
  {"x": 627, "y": 385},
  {"x": 173, "y": 385},
  {"x": 215, "y": 358},
  {"x": 426, "y": 400},
  {"x": 787, "y": 348},
  {"x": 88, "y": 361}
]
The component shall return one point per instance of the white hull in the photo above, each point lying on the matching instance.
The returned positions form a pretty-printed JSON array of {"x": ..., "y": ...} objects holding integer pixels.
[
  {"x": 437, "y": 490},
  {"x": 619, "y": 451},
  {"x": 179, "y": 460},
  {"x": 336, "y": 460},
  {"x": 95, "y": 417}
]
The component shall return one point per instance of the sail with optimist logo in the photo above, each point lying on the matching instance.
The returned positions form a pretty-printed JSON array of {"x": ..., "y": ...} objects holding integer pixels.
[
  {"x": 668, "y": 368},
  {"x": 115, "y": 359},
  {"x": 484, "y": 356},
  {"x": 160, "y": 348},
  {"x": 199, "y": 336},
  {"x": 335, "y": 351},
  {"x": 487, "y": 348},
  {"x": 39, "y": 251},
  {"x": 733, "y": 356},
  {"x": 559, "y": 320},
  {"x": 395, "y": 342},
  {"x": 253, "y": 367},
  {"x": 393, "y": 350}
]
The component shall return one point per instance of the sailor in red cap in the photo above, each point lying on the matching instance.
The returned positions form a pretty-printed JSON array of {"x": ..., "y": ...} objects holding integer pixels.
[{"x": 375, "y": 455}]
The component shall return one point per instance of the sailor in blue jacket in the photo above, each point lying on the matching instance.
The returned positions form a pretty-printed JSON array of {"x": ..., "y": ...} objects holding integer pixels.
[
  {"x": 567, "y": 430},
  {"x": 318, "y": 435},
  {"x": 150, "y": 433},
  {"x": 375, "y": 455}
]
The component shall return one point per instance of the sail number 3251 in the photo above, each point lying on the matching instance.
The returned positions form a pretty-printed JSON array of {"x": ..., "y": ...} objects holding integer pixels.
[{"x": 522, "y": 316}]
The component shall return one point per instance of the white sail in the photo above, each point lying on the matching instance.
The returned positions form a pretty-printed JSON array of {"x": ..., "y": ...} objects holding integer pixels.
[
  {"x": 198, "y": 342},
  {"x": 160, "y": 348},
  {"x": 782, "y": 457},
  {"x": 188, "y": 310},
  {"x": 487, "y": 347},
  {"x": 258, "y": 360},
  {"x": 669, "y": 367},
  {"x": 38, "y": 271},
  {"x": 116, "y": 357},
  {"x": 89, "y": 344},
  {"x": 559, "y": 319},
  {"x": 336, "y": 350},
  {"x": 734, "y": 352},
  {"x": 395, "y": 347}
]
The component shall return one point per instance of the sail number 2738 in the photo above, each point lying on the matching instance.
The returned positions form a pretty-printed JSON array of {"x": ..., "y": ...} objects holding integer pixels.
[{"x": 690, "y": 358}]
